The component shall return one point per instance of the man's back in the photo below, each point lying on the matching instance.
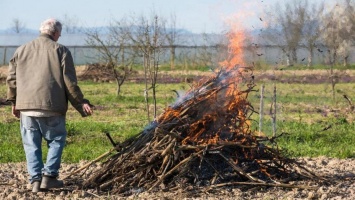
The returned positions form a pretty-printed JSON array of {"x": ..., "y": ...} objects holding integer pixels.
[{"x": 39, "y": 75}]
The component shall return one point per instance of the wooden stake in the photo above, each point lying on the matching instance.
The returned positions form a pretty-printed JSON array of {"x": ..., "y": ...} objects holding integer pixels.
[
  {"x": 274, "y": 114},
  {"x": 261, "y": 109}
]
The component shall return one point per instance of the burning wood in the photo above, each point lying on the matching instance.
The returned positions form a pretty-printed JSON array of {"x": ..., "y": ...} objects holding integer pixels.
[{"x": 204, "y": 139}]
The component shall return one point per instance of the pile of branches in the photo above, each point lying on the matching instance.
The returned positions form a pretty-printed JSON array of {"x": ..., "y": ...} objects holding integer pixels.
[
  {"x": 97, "y": 72},
  {"x": 204, "y": 139}
]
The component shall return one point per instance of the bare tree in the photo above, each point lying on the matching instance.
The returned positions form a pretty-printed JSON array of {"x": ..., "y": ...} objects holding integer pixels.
[
  {"x": 347, "y": 28},
  {"x": 111, "y": 48},
  {"x": 18, "y": 26},
  {"x": 172, "y": 37},
  {"x": 148, "y": 36},
  {"x": 337, "y": 33},
  {"x": 351, "y": 16},
  {"x": 285, "y": 28},
  {"x": 312, "y": 28}
]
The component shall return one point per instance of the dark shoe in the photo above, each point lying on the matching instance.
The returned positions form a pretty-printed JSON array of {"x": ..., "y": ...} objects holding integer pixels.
[
  {"x": 36, "y": 186},
  {"x": 51, "y": 182}
]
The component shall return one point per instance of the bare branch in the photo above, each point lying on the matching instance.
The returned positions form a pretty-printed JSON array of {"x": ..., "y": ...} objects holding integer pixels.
[{"x": 18, "y": 26}]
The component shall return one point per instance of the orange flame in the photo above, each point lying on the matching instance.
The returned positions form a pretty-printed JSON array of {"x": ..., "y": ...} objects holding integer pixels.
[
  {"x": 216, "y": 108},
  {"x": 236, "y": 38}
]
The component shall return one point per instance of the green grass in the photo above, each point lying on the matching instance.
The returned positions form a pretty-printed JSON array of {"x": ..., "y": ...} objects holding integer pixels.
[
  {"x": 10, "y": 143},
  {"x": 303, "y": 111},
  {"x": 333, "y": 138}
]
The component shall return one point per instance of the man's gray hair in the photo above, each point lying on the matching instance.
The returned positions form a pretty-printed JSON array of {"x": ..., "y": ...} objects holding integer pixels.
[{"x": 50, "y": 26}]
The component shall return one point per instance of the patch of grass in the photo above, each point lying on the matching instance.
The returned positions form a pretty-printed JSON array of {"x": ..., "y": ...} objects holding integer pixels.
[
  {"x": 332, "y": 138},
  {"x": 304, "y": 113},
  {"x": 11, "y": 149}
]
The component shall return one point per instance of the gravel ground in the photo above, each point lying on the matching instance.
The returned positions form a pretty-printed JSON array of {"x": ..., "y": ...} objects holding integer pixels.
[{"x": 340, "y": 184}]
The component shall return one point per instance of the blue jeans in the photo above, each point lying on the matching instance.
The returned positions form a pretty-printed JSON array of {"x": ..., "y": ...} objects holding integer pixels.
[{"x": 52, "y": 130}]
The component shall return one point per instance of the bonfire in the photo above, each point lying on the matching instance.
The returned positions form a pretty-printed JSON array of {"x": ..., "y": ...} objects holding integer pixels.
[{"x": 204, "y": 139}]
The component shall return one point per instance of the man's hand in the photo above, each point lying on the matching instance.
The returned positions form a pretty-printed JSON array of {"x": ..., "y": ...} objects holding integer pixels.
[
  {"x": 87, "y": 109},
  {"x": 15, "y": 113}
]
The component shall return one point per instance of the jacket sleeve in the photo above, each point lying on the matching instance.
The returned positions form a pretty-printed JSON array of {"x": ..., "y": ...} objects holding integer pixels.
[
  {"x": 72, "y": 90},
  {"x": 11, "y": 81}
]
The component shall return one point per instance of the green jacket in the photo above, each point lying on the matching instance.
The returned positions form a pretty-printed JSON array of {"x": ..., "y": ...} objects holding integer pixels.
[{"x": 42, "y": 76}]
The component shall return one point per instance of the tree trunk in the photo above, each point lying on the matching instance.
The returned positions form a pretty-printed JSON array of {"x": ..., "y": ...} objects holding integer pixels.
[
  {"x": 288, "y": 60},
  {"x": 294, "y": 55},
  {"x": 146, "y": 63},
  {"x": 346, "y": 63},
  {"x": 172, "y": 57},
  {"x": 118, "y": 87},
  {"x": 332, "y": 75},
  {"x": 310, "y": 57},
  {"x": 154, "y": 82}
]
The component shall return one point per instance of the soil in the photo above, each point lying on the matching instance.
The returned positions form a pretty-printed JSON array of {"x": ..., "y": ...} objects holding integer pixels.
[
  {"x": 97, "y": 74},
  {"x": 339, "y": 183}
]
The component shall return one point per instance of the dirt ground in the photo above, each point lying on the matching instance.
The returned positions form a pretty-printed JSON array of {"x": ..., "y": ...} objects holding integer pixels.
[
  {"x": 340, "y": 184},
  {"x": 282, "y": 76}
]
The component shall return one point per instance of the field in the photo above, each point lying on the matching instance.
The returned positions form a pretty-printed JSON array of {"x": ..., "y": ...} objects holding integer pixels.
[{"x": 313, "y": 123}]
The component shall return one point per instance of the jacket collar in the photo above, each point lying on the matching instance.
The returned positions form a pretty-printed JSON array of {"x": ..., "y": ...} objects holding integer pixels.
[{"x": 46, "y": 36}]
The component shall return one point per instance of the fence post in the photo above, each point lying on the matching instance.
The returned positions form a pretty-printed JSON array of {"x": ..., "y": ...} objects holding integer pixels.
[
  {"x": 261, "y": 109},
  {"x": 4, "y": 59},
  {"x": 274, "y": 114},
  {"x": 74, "y": 54}
]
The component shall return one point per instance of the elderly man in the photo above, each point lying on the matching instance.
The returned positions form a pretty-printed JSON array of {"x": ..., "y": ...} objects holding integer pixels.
[{"x": 41, "y": 81}]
